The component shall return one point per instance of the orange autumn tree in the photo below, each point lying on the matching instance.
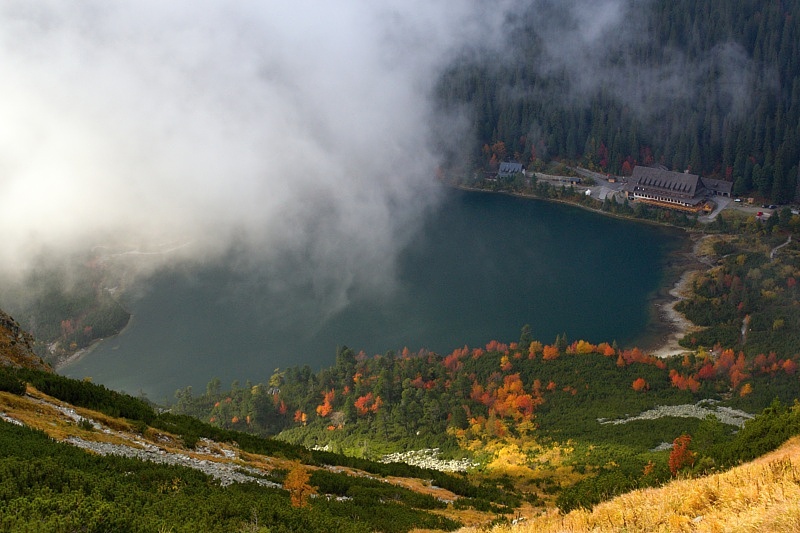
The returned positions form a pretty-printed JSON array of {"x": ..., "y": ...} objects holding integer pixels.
[
  {"x": 606, "y": 349},
  {"x": 640, "y": 384},
  {"x": 549, "y": 352},
  {"x": 453, "y": 361},
  {"x": 679, "y": 381},
  {"x": 296, "y": 482},
  {"x": 496, "y": 346},
  {"x": 325, "y": 408},
  {"x": 479, "y": 394},
  {"x": 511, "y": 400}
]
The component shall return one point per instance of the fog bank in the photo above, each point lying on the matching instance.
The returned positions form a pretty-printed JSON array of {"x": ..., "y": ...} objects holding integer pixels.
[{"x": 298, "y": 131}]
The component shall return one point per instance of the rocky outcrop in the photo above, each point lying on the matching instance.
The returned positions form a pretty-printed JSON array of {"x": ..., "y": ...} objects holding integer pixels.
[
  {"x": 225, "y": 473},
  {"x": 16, "y": 346},
  {"x": 429, "y": 458},
  {"x": 701, "y": 410}
]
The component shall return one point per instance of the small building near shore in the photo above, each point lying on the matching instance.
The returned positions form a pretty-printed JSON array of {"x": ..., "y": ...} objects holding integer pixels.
[{"x": 509, "y": 169}]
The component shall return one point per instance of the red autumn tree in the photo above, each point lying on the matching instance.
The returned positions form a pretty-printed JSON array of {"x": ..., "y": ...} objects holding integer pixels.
[
  {"x": 640, "y": 385},
  {"x": 681, "y": 456},
  {"x": 706, "y": 372},
  {"x": 368, "y": 404},
  {"x": 496, "y": 346}
]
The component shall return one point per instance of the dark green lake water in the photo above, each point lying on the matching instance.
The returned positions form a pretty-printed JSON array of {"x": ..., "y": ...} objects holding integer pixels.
[{"x": 482, "y": 267}]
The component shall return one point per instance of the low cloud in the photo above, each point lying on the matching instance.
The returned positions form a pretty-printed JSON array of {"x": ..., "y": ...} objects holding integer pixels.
[
  {"x": 594, "y": 46},
  {"x": 298, "y": 131}
]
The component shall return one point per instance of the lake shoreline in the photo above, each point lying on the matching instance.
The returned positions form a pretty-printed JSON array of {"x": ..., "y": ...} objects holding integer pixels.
[
  {"x": 64, "y": 362},
  {"x": 669, "y": 325}
]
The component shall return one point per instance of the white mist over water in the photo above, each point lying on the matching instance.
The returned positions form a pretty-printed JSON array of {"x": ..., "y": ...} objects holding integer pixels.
[{"x": 298, "y": 131}]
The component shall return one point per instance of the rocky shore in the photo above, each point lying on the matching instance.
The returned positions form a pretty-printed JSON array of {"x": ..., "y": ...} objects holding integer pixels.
[
  {"x": 673, "y": 324},
  {"x": 679, "y": 324}
]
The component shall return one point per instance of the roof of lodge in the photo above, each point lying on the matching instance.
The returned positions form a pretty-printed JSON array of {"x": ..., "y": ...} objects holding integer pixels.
[
  {"x": 508, "y": 168},
  {"x": 664, "y": 181},
  {"x": 718, "y": 186}
]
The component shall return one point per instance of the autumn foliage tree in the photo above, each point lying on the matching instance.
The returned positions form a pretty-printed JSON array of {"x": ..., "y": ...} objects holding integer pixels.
[
  {"x": 296, "y": 483},
  {"x": 549, "y": 352},
  {"x": 325, "y": 408},
  {"x": 368, "y": 404},
  {"x": 681, "y": 456}
]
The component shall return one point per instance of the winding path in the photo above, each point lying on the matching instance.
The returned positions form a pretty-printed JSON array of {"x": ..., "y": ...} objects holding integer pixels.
[{"x": 775, "y": 250}]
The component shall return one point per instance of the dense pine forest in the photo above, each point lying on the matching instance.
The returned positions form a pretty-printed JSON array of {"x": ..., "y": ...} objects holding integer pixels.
[{"x": 710, "y": 86}]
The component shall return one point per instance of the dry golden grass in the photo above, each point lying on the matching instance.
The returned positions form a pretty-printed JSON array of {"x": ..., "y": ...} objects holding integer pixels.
[{"x": 763, "y": 495}]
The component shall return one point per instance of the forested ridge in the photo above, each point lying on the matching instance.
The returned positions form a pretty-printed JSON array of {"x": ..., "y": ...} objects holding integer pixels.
[{"x": 710, "y": 86}]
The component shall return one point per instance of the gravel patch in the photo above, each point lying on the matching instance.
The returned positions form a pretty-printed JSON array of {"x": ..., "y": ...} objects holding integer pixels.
[
  {"x": 429, "y": 458},
  {"x": 9, "y": 419},
  {"x": 226, "y": 473},
  {"x": 700, "y": 410}
]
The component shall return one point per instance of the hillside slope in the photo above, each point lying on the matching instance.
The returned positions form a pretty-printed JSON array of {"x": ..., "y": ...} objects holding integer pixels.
[
  {"x": 762, "y": 495},
  {"x": 16, "y": 346}
]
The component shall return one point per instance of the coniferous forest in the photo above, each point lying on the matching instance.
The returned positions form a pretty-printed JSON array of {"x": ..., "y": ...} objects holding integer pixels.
[{"x": 710, "y": 86}]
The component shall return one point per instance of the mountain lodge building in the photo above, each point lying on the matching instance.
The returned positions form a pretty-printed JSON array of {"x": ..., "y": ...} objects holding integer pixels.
[{"x": 673, "y": 190}]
